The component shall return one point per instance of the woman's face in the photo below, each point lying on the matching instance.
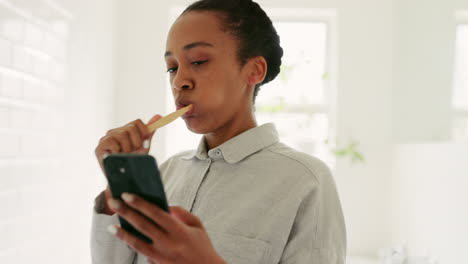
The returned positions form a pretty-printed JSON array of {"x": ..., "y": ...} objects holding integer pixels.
[{"x": 204, "y": 71}]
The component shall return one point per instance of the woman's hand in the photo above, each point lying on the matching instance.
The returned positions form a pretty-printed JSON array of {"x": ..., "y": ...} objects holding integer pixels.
[
  {"x": 181, "y": 238},
  {"x": 133, "y": 137}
]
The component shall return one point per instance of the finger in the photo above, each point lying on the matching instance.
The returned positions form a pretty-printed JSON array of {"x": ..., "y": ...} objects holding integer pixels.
[
  {"x": 109, "y": 132},
  {"x": 153, "y": 212},
  {"x": 146, "y": 135},
  {"x": 185, "y": 216},
  {"x": 109, "y": 145},
  {"x": 142, "y": 128},
  {"x": 152, "y": 120},
  {"x": 135, "y": 136},
  {"x": 140, "y": 222},
  {"x": 137, "y": 244},
  {"x": 123, "y": 138}
]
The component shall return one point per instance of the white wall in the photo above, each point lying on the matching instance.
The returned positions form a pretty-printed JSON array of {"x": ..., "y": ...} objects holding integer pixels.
[
  {"x": 91, "y": 111},
  {"x": 429, "y": 200},
  {"x": 365, "y": 82},
  {"x": 424, "y": 69},
  {"x": 140, "y": 68},
  {"x": 428, "y": 182},
  {"x": 47, "y": 184}
]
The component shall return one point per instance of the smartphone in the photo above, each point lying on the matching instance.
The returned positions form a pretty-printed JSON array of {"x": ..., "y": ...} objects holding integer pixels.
[{"x": 137, "y": 174}]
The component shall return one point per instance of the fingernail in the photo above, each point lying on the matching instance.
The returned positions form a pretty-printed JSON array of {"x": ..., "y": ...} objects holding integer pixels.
[
  {"x": 113, "y": 204},
  {"x": 127, "y": 197},
  {"x": 112, "y": 229},
  {"x": 146, "y": 144}
]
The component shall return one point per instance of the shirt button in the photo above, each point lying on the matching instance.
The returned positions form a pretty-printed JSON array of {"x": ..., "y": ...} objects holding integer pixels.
[{"x": 218, "y": 152}]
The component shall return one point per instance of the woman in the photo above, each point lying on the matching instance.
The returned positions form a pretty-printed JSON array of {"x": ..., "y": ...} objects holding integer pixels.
[{"x": 243, "y": 196}]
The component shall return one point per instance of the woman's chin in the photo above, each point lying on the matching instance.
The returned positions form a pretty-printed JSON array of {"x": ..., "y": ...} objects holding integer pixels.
[{"x": 194, "y": 126}]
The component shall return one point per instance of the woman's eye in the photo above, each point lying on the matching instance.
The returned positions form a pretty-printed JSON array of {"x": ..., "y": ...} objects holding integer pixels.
[
  {"x": 199, "y": 62},
  {"x": 172, "y": 70}
]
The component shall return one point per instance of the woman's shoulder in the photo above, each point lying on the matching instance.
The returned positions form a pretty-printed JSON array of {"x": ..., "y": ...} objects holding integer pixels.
[{"x": 299, "y": 161}]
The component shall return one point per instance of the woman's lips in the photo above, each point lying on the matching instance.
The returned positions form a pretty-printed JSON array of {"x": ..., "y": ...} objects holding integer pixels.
[{"x": 189, "y": 112}]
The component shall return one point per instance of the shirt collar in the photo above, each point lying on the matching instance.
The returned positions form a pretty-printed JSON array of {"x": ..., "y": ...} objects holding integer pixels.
[{"x": 240, "y": 146}]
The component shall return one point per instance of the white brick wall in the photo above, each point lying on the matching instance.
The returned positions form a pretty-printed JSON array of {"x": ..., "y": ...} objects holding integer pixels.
[
  {"x": 11, "y": 86},
  {"x": 33, "y": 81},
  {"x": 5, "y": 52},
  {"x": 56, "y": 64}
]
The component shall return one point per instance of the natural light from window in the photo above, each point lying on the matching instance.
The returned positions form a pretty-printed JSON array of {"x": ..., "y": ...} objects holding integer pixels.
[{"x": 297, "y": 101}]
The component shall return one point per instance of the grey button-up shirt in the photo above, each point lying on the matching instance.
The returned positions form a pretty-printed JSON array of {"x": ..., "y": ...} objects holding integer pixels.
[{"x": 259, "y": 200}]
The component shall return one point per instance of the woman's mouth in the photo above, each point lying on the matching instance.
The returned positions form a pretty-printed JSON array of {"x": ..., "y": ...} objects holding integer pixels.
[{"x": 189, "y": 112}]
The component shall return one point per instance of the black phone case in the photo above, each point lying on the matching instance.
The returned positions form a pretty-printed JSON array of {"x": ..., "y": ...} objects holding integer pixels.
[{"x": 138, "y": 174}]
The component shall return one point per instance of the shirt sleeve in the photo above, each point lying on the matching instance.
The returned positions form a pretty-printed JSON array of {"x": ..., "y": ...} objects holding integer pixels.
[
  {"x": 105, "y": 248},
  {"x": 318, "y": 234}
]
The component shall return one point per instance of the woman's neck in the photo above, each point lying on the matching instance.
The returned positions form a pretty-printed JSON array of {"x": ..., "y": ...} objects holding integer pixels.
[{"x": 229, "y": 130}]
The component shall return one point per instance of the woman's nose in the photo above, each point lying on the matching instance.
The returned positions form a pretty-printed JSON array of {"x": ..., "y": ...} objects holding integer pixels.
[
  {"x": 181, "y": 82},
  {"x": 180, "y": 87}
]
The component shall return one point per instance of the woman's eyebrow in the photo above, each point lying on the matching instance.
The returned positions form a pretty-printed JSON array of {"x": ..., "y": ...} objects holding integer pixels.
[{"x": 191, "y": 46}]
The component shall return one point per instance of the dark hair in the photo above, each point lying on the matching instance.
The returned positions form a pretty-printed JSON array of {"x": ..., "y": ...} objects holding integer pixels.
[{"x": 252, "y": 27}]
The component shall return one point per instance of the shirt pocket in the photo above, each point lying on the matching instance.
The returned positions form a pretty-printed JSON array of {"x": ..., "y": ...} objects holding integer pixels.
[{"x": 240, "y": 250}]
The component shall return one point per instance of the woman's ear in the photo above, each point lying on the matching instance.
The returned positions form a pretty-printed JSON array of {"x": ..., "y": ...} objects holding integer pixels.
[{"x": 257, "y": 70}]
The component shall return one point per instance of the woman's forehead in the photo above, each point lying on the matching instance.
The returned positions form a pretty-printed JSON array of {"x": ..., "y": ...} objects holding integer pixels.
[{"x": 196, "y": 27}]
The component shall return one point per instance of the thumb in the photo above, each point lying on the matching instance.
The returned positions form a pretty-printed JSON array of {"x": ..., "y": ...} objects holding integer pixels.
[
  {"x": 153, "y": 120},
  {"x": 147, "y": 140},
  {"x": 185, "y": 216}
]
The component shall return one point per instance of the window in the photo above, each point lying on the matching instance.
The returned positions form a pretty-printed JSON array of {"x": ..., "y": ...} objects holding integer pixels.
[
  {"x": 300, "y": 101},
  {"x": 460, "y": 92}
]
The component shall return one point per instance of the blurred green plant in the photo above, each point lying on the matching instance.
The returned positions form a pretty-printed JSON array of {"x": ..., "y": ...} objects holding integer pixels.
[
  {"x": 326, "y": 76},
  {"x": 267, "y": 108},
  {"x": 273, "y": 107},
  {"x": 285, "y": 71},
  {"x": 350, "y": 151}
]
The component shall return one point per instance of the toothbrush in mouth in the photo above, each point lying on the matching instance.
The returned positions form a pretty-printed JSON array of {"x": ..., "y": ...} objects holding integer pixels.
[{"x": 168, "y": 119}]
